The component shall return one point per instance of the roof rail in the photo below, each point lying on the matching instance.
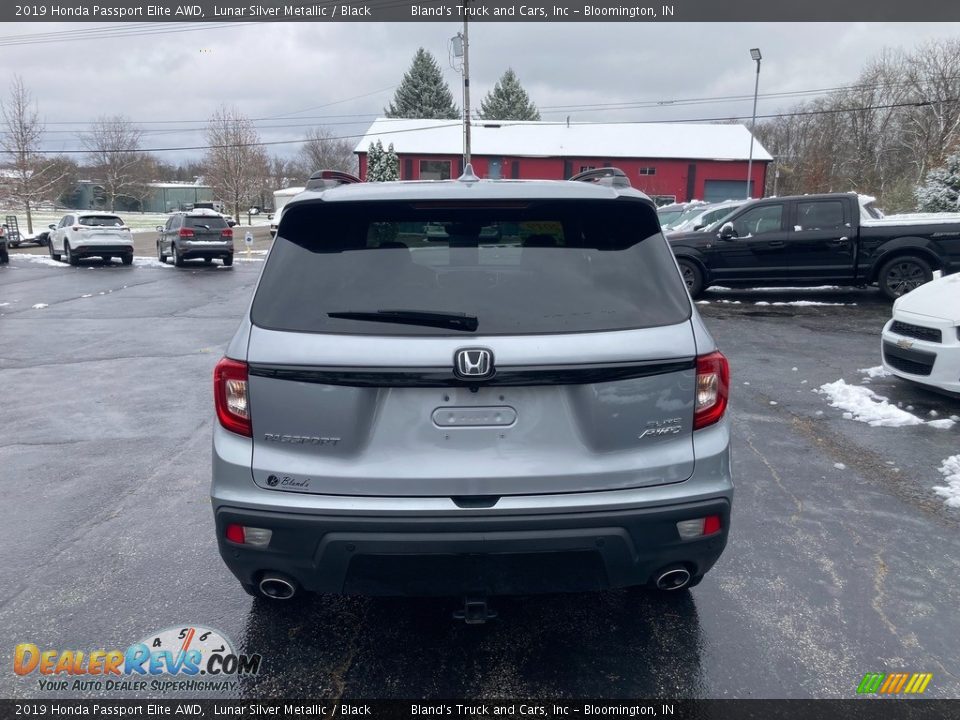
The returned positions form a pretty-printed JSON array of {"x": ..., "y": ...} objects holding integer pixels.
[
  {"x": 326, "y": 179},
  {"x": 606, "y": 176}
]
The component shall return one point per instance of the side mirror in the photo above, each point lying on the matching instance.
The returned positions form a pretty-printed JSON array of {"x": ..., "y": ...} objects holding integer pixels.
[
  {"x": 727, "y": 232},
  {"x": 159, "y": 228},
  {"x": 52, "y": 226},
  {"x": 699, "y": 227}
]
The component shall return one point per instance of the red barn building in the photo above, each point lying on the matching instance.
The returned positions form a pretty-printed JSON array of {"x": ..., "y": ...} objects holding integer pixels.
[{"x": 668, "y": 161}]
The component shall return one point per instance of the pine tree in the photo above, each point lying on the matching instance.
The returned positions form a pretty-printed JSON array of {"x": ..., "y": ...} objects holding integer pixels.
[
  {"x": 423, "y": 93},
  {"x": 508, "y": 101},
  {"x": 940, "y": 191},
  {"x": 382, "y": 165}
]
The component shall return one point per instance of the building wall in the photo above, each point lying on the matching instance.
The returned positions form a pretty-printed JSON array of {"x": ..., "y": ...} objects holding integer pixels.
[{"x": 683, "y": 179}]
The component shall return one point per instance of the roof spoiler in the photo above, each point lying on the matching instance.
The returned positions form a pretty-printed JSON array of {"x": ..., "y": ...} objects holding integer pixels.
[
  {"x": 612, "y": 176},
  {"x": 326, "y": 179}
]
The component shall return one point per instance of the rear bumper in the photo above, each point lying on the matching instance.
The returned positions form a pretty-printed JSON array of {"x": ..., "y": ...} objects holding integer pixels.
[
  {"x": 94, "y": 248},
  {"x": 205, "y": 250},
  {"x": 431, "y": 546},
  {"x": 569, "y": 552}
]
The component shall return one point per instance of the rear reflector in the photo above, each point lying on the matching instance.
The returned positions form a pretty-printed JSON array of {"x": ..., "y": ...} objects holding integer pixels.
[
  {"x": 713, "y": 387},
  {"x": 698, "y": 527},
  {"x": 243, "y": 535},
  {"x": 230, "y": 396}
]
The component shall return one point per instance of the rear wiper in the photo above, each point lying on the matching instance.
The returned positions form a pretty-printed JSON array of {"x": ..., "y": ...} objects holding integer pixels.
[{"x": 427, "y": 318}]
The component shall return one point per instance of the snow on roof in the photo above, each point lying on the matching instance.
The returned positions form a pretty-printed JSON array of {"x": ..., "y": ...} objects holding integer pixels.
[{"x": 558, "y": 139}]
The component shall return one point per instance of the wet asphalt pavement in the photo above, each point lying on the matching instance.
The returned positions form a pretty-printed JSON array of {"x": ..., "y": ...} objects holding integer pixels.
[{"x": 841, "y": 559}]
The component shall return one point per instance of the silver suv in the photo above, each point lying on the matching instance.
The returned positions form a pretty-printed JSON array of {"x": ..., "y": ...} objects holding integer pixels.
[{"x": 471, "y": 388}]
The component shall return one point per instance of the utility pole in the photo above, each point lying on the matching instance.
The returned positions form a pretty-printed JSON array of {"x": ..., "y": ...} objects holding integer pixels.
[
  {"x": 755, "y": 56},
  {"x": 466, "y": 87}
]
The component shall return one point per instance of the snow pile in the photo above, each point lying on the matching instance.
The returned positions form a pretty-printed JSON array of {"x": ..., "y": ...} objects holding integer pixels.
[
  {"x": 719, "y": 288},
  {"x": 874, "y": 372},
  {"x": 39, "y": 306},
  {"x": 950, "y": 469},
  {"x": 866, "y": 406},
  {"x": 862, "y": 404}
]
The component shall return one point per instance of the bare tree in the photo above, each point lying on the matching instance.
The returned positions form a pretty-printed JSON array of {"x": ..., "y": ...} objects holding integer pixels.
[
  {"x": 114, "y": 144},
  {"x": 324, "y": 151},
  {"x": 34, "y": 177},
  {"x": 236, "y": 163}
]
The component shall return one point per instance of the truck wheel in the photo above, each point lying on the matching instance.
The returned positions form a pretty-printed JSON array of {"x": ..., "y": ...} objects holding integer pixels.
[
  {"x": 903, "y": 274},
  {"x": 692, "y": 276},
  {"x": 54, "y": 255},
  {"x": 70, "y": 256}
]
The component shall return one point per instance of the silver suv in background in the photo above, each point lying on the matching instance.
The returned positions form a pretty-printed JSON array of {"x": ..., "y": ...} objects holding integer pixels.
[
  {"x": 196, "y": 234},
  {"x": 471, "y": 388}
]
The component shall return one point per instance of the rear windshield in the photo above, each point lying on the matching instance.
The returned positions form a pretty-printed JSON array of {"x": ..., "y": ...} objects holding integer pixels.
[
  {"x": 101, "y": 221},
  {"x": 204, "y": 223},
  {"x": 518, "y": 268}
]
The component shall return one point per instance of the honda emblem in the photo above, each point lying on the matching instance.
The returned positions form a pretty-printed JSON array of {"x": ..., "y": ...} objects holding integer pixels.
[{"x": 473, "y": 363}]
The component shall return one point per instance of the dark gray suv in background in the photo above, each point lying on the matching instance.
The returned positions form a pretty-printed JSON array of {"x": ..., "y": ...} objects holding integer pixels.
[
  {"x": 196, "y": 234},
  {"x": 471, "y": 387}
]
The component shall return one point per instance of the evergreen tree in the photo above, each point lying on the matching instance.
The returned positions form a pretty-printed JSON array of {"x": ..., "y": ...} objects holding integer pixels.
[
  {"x": 382, "y": 165},
  {"x": 940, "y": 191},
  {"x": 508, "y": 101},
  {"x": 423, "y": 93}
]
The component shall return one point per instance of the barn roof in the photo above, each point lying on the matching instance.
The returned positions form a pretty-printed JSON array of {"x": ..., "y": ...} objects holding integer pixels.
[{"x": 694, "y": 141}]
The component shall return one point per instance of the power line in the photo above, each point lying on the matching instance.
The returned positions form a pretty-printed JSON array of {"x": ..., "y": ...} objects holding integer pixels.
[{"x": 799, "y": 113}]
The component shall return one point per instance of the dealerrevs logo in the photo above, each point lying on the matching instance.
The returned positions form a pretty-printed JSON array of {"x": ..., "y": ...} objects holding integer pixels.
[{"x": 178, "y": 658}]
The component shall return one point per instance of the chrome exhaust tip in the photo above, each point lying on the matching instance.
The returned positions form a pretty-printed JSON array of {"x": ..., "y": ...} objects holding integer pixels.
[
  {"x": 277, "y": 587},
  {"x": 673, "y": 578}
]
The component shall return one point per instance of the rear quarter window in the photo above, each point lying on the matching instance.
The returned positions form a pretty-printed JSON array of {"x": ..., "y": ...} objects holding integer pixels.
[{"x": 518, "y": 268}]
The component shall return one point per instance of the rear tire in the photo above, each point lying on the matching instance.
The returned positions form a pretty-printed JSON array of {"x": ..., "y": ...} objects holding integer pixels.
[
  {"x": 69, "y": 255},
  {"x": 160, "y": 256},
  {"x": 177, "y": 257},
  {"x": 228, "y": 261},
  {"x": 692, "y": 276},
  {"x": 127, "y": 259},
  {"x": 4, "y": 255},
  {"x": 903, "y": 274},
  {"x": 54, "y": 255}
]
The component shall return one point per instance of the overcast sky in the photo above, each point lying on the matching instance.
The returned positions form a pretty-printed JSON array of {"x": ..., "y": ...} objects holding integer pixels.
[{"x": 343, "y": 75}]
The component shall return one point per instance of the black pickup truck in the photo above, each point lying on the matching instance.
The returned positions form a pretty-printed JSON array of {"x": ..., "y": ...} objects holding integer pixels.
[{"x": 831, "y": 239}]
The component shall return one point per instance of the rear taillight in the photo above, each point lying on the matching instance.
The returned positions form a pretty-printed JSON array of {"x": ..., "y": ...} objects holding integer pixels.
[
  {"x": 185, "y": 232},
  {"x": 230, "y": 396},
  {"x": 713, "y": 387},
  {"x": 228, "y": 233}
]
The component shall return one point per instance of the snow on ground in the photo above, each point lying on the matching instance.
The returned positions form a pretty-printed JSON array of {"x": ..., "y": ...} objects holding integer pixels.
[
  {"x": 874, "y": 372},
  {"x": 798, "y": 303},
  {"x": 719, "y": 288},
  {"x": 40, "y": 259},
  {"x": 950, "y": 469},
  {"x": 864, "y": 405},
  {"x": 39, "y": 306}
]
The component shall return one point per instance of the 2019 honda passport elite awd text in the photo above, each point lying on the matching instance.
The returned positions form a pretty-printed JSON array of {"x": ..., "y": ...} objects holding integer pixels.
[{"x": 471, "y": 387}]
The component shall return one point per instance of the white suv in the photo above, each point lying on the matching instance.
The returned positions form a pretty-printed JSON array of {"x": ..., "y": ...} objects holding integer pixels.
[{"x": 91, "y": 234}]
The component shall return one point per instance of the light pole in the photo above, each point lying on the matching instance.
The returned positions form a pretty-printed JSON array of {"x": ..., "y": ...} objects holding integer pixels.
[
  {"x": 461, "y": 50},
  {"x": 755, "y": 55}
]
